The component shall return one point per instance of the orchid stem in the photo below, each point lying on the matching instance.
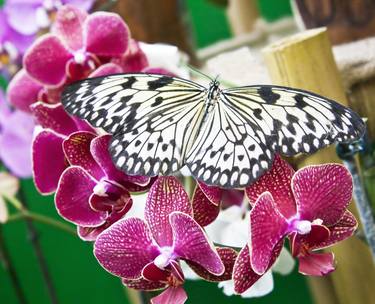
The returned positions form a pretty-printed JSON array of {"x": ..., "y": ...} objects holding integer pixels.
[
  {"x": 362, "y": 203},
  {"x": 44, "y": 220},
  {"x": 34, "y": 239},
  {"x": 8, "y": 265},
  {"x": 134, "y": 296}
]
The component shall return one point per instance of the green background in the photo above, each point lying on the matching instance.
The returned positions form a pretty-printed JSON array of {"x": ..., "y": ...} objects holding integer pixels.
[{"x": 76, "y": 275}]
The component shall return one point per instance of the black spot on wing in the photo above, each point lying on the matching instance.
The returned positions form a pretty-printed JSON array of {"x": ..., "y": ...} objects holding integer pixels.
[
  {"x": 159, "y": 83},
  {"x": 268, "y": 95}
]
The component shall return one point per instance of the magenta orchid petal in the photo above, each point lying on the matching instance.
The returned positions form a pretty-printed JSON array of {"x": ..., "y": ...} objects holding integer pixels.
[
  {"x": 106, "y": 34},
  {"x": 107, "y": 69},
  {"x": 318, "y": 235},
  {"x": 53, "y": 117},
  {"x": 322, "y": 192},
  {"x": 134, "y": 60},
  {"x": 88, "y": 234},
  {"x": 268, "y": 227},
  {"x": 277, "y": 182},
  {"x": 214, "y": 194},
  {"x": 191, "y": 243},
  {"x": 99, "y": 150},
  {"x": 142, "y": 284},
  {"x": 23, "y": 91},
  {"x": 125, "y": 248},
  {"x": 165, "y": 196},
  {"x": 228, "y": 257},
  {"x": 72, "y": 198},
  {"x": 46, "y": 149},
  {"x": 243, "y": 276},
  {"x": 316, "y": 264},
  {"x": 343, "y": 229},
  {"x": 160, "y": 71},
  {"x": 46, "y": 59},
  {"x": 172, "y": 295},
  {"x": 232, "y": 197},
  {"x": 69, "y": 26},
  {"x": 77, "y": 152},
  {"x": 153, "y": 273},
  {"x": 205, "y": 212}
]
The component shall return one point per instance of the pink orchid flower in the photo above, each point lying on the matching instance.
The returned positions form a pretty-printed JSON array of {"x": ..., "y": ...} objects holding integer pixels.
[
  {"x": 101, "y": 193},
  {"x": 47, "y": 144},
  {"x": 309, "y": 206},
  {"x": 79, "y": 43},
  {"x": 146, "y": 254}
]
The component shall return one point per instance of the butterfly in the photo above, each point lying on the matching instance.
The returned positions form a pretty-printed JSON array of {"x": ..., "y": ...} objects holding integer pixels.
[{"x": 226, "y": 137}]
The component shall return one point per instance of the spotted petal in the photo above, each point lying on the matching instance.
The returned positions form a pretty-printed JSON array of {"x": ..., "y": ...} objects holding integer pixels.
[
  {"x": 69, "y": 26},
  {"x": 106, "y": 34},
  {"x": 77, "y": 151},
  {"x": 172, "y": 295},
  {"x": 268, "y": 227},
  {"x": 142, "y": 284},
  {"x": 227, "y": 256},
  {"x": 165, "y": 196},
  {"x": 125, "y": 248},
  {"x": 73, "y": 195},
  {"x": 205, "y": 212},
  {"x": 243, "y": 276},
  {"x": 276, "y": 181},
  {"x": 23, "y": 91},
  {"x": 191, "y": 243},
  {"x": 47, "y": 149},
  {"x": 322, "y": 192},
  {"x": 316, "y": 264},
  {"x": 45, "y": 61}
]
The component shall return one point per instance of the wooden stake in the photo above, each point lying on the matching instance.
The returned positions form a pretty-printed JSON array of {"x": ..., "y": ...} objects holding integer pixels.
[
  {"x": 242, "y": 15},
  {"x": 305, "y": 61}
]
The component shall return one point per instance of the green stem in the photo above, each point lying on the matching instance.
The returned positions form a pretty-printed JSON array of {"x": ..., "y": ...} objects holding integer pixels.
[{"x": 42, "y": 219}]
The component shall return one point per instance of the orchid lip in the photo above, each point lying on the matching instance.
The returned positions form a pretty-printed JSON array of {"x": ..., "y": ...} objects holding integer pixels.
[
  {"x": 300, "y": 226},
  {"x": 164, "y": 258}
]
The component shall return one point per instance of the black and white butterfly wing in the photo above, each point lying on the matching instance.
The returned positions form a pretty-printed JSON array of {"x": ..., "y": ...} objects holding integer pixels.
[
  {"x": 154, "y": 118},
  {"x": 248, "y": 125}
]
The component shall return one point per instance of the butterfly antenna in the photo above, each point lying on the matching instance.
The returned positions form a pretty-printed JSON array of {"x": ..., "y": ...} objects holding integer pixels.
[{"x": 196, "y": 71}]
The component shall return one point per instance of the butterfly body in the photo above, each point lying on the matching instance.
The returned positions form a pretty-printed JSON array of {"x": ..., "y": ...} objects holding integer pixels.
[{"x": 226, "y": 137}]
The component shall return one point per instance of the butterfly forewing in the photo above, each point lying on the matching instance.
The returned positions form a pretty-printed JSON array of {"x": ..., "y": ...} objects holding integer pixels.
[
  {"x": 295, "y": 121},
  {"x": 154, "y": 118}
]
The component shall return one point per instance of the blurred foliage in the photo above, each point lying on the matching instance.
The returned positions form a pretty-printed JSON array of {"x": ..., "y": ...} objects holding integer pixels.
[
  {"x": 3, "y": 82},
  {"x": 2, "y": 2}
]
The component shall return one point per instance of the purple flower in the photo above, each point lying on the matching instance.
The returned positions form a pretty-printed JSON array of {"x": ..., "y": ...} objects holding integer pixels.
[
  {"x": 148, "y": 252},
  {"x": 79, "y": 44},
  {"x": 29, "y": 16},
  {"x": 16, "y": 129},
  {"x": 12, "y": 43},
  {"x": 309, "y": 206},
  {"x": 92, "y": 193}
]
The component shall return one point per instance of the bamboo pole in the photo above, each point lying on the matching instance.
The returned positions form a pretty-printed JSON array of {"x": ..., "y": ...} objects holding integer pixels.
[
  {"x": 306, "y": 61},
  {"x": 242, "y": 16}
]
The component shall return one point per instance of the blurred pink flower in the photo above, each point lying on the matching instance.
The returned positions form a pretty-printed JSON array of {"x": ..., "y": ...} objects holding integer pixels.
[
  {"x": 16, "y": 129},
  {"x": 27, "y": 17},
  {"x": 78, "y": 45}
]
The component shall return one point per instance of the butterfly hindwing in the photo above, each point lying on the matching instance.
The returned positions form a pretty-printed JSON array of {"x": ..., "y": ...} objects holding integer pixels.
[{"x": 229, "y": 151}]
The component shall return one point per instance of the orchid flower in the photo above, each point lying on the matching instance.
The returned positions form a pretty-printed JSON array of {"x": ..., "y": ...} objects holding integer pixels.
[
  {"x": 78, "y": 45},
  {"x": 308, "y": 206},
  {"x": 27, "y": 17},
  {"x": 146, "y": 253},
  {"x": 101, "y": 192}
]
